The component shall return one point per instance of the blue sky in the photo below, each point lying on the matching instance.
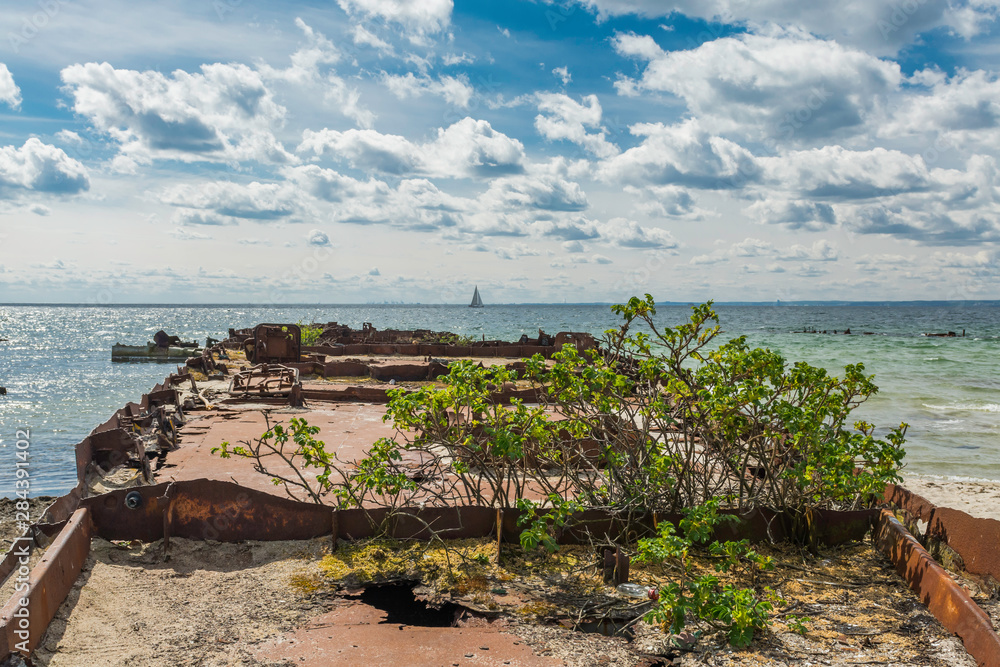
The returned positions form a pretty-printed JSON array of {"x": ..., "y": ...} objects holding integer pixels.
[{"x": 585, "y": 150}]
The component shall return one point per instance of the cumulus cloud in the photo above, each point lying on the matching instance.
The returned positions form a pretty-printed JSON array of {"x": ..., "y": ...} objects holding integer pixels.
[
  {"x": 455, "y": 90},
  {"x": 417, "y": 19},
  {"x": 932, "y": 228},
  {"x": 629, "y": 234},
  {"x": 566, "y": 119},
  {"x": 779, "y": 88},
  {"x": 332, "y": 186},
  {"x": 318, "y": 238},
  {"x": 10, "y": 94},
  {"x": 683, "y": 154},
  {"x": 961, "y": 110},
  {"x": 40, "y": 167},
  {"x": 219, "y": 202},
  {"x": 792, "y": 214},
  {"x": 516, "y": 251},
  {"x": 225, "y": 112},
  {"x": 536, "y": 191},
  {"x": 839, "y": 173},
  {"x": 467, "y": 149},
  {"x": 881, "y": 26},
  {"x": 666, "y": 201}
]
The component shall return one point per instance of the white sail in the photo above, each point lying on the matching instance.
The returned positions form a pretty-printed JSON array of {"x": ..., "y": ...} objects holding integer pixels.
[{"x": 477, "y": 301}]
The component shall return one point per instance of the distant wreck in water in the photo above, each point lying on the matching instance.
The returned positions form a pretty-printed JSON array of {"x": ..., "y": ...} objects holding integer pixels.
[{"x": 163, "y": 347}]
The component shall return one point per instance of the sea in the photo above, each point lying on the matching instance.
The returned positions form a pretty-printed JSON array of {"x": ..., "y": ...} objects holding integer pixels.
[{"x": 56, "y": 364}]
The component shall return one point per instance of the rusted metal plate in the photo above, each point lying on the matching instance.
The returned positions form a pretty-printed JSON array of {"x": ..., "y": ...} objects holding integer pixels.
[
  {"x": 977, "y": 540},
  {"x": 22, "y": 626},
  {"x": 901, "y": 497},
  {"x": 205, "y": 510},
  {"x": 938, "y": 591}
]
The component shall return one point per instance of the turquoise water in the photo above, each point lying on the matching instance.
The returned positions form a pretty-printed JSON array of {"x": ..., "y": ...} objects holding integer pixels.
[{"x": 61, "y": 382}]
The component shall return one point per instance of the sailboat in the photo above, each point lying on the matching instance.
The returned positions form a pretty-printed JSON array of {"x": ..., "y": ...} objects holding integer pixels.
[{"x": 477, "y": 301}]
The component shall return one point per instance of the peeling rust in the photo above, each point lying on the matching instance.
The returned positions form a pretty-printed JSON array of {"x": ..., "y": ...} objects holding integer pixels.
[{"x": 938, "y": 591}]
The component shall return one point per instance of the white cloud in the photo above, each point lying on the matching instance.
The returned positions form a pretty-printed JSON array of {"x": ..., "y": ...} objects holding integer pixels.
[
  {"x": 835, "y": 172},
  {"x": 455, "y": 90},
  {"x": 782, "y": 88},
  {"x": 961, "y": 110},
  {"x": 629, "y": 234},
  {"x": 452, "y": 59},
  {"x": 568, "y": 120},
  {"x": 254, "y": 201},
  {"x": 683, "y": 154},
  {"x": 417, "y": 19},
  {"x": 309, "y": 62},
  {"x": 562, "y": 73},
  {"x": 318, "y": 238},
  {"x": 881, "y": 26},
  {"x": 223, "y": 113},
  {"x": 667, "y": 201},
  {"x": 467, "y": 149},
  {"x": 820, "y": 251},
  {"x": 365, "y": 37},
  {"x": 40, "y": 167},
  {"x": 516, "y": 251},
  {"x": 792, "y": 214},
  {"x": 537, "y": 191},
  {"x": 329, "y": 185},
  {"x": 187, "y": 234},
  {"x": 10, "y": 94}
]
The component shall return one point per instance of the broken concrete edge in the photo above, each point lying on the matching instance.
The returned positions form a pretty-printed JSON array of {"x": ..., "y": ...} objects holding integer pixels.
[
  {"x": 22, "y": 626},
  {"x": 974, "y": 539},
  {"x": 938, "y": 591}
]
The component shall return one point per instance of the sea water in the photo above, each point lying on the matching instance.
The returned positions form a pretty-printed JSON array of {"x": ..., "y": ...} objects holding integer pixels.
[{"x": 56, "y": 365}]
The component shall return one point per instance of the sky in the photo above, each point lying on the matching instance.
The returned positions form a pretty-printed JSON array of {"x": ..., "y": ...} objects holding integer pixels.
[{"x": 355, "y": 151}]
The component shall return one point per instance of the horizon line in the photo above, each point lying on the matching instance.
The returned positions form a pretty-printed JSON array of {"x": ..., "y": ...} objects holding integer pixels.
[{"x": 776, "y": 303}]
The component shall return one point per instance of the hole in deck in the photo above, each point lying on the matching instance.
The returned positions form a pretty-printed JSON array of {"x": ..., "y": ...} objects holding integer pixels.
[
  {"x": 609, "y": 627},
  {"x": 403, "y": 608}
]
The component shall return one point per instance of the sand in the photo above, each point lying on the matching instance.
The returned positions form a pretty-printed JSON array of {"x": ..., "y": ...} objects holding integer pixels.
[{"x": 977, "y": 497}]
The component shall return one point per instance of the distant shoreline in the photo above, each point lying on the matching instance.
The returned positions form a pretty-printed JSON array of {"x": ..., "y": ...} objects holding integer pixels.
[{"x": 761, "y": 304}]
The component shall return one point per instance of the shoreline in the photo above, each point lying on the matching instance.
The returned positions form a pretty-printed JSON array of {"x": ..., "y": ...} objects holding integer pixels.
[{"x": 977, "y": 497}]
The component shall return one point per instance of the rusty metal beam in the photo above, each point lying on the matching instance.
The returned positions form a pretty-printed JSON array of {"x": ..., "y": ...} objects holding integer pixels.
[
  {"x": 48, "y": 584},
  {"x": 974, "y": 539},
  {"x": 938, "y": 591}
]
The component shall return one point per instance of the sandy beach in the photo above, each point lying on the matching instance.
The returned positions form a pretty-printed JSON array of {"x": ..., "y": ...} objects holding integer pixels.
[{"x": 978, "y": 497}]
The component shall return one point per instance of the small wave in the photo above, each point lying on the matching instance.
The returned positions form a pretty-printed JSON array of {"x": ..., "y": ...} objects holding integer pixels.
[
  {"x": 933, "y": 358},
  {"x": 966, "y": 407}
]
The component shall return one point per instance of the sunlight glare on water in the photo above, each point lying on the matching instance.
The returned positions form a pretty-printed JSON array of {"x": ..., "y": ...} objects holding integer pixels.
[{"x": 56, "y": 365}]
